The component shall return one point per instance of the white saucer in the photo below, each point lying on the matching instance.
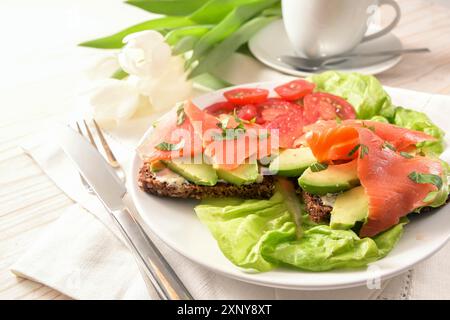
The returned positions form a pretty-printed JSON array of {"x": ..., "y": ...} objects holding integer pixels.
[{"x": 271, "y": 42}]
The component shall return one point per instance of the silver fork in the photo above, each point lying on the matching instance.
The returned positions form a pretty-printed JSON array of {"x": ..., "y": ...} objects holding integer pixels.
[{"x": 112, "y": 160}]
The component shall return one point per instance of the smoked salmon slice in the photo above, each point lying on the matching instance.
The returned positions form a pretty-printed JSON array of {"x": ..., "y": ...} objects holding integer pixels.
[
  {"x": 227, "y": 153},
  {"x": 204, "y": 124},
  {"x": 384, "y": 175},
  {"x": 332, "y": 141},
  {"x": 254, "y": 144},
  {"x": 202, "y": 133},
  {"x": 382, "y": 170},
  {"x": 168, "y": 130}
]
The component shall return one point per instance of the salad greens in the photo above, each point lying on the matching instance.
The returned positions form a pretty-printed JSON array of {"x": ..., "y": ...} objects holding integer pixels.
[
  {"x": 261, "y": 234},
  {"x": 243, "y": 228},
  {"x": 419, "y": 121}
]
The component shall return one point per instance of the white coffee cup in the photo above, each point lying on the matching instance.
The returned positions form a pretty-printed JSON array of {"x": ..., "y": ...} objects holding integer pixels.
[{"x": 320, "y": 28}]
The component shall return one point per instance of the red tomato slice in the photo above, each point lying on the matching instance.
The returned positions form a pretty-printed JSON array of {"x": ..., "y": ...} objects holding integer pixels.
[
  {"x": 294, "y": 90},
  {"x": 274, "y": 107},
  {"x": 220, "y": 108},
  {"x": 289, "y": 126},
  {"x": 243, "y": 96},
  {"x": 247, "y": 112},
  {"x": 326, "y": 106}
]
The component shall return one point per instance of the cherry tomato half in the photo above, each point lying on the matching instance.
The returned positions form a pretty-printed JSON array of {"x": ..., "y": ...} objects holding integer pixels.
[
  {"x": 220, "y": 108},
  {"x": 247, "y": 112},
  {"x": 274, "y": 107},
  {"x": 326, "y": 106},
  {"x": 243, "y": 96},
  {"x": 288, "y": 127},
  {"x": 294, "y": 90}
]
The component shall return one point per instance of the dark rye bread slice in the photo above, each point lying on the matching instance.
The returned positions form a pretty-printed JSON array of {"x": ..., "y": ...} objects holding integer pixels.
[
  {"x": 318, "y": 212},
  {"x": 148, "y": 182}
]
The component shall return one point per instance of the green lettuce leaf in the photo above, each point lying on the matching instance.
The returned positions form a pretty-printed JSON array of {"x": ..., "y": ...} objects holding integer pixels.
[
  {"x": 419, "y": 121},
  {"x": 379, "y": 119},
  {"x": 323, "y": 248},
  {"x": 363, "y": 92},
  {"x": 243, "y": 227},
  {"x": 261, "y": 234}
]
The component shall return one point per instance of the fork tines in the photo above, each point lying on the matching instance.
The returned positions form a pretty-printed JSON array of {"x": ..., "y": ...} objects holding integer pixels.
[{"x": 107, "y": 150}]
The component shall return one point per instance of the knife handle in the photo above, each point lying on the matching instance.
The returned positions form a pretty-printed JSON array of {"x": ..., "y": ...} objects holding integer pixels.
[{"x": 160, "y": 273}]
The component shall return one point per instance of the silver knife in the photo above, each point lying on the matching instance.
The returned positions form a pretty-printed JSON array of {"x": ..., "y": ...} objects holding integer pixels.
[{"x": 111, "y": 191}]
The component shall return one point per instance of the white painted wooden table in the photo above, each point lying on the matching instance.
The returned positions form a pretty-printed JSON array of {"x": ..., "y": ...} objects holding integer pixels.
[{"x": 42, "y": 76}]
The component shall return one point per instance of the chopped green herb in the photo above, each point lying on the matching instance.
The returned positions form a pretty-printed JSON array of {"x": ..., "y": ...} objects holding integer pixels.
[
  {"x": 228, "y": 134},
  {"x": 181, "y": 115},
  {"x": 371, "y": 128},
  {"x": 389, "y": 146},
  {"x": 338, "y": 120},
  {"x": 406, "y": 155},
  {"x": 364, "y": 150},
  {"x": 217, "y": 136},
  {"x": 355, "y": 148},
  {"x": 239, "y": 132},
  {"x": 241, "y": 121},
  {"x": 426, "y": 178},
  {"x": 166, "y": 146},
  {"x": 318, "y": 166}
]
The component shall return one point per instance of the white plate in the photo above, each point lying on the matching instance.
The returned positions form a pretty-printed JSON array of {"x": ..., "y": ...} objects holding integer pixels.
[
  {"x": 271, "y": 42},
  {"x": 174, "y": 221}
]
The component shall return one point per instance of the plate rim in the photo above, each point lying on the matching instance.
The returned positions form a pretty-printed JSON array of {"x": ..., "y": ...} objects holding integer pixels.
[{"x": 239, "y": 273}]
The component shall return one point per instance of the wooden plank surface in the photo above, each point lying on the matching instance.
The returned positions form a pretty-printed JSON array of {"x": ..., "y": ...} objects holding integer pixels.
[{"x": 44, "y": 76}]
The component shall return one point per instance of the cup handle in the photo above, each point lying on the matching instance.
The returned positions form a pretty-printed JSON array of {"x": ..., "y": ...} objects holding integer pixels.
[{"x": 391, "y": 26}]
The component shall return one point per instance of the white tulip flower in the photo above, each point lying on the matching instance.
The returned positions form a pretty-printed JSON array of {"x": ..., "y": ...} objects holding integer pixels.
[
  {"x": 115, "y": 100},
  {"x": 170, "y": 87},
  {"x": 154, "y": 75},
  {"x": 145, "y": 54},
  {"x": 102, "y": 67}
]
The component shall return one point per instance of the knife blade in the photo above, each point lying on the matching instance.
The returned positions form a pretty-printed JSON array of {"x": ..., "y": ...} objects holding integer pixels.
[
  {"x": 110, "y": 191},
  {"x": 94, "y": 169}
]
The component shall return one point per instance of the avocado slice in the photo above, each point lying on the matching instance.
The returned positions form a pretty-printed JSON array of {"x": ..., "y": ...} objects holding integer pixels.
[
  {"x": 350, "y": 207},
  {"x": 244, "y": 174},
  {"x": 335, "y": 178},
  {"x": 292, "y": 162},
  {"x": 201, "y": 174}
]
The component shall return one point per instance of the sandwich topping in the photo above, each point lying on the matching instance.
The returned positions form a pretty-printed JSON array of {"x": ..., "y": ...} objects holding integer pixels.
[{"x": 390, "y": 180}]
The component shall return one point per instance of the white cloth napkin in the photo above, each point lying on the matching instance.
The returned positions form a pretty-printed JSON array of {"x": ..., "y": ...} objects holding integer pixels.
[{"x": 82, "y": 255}]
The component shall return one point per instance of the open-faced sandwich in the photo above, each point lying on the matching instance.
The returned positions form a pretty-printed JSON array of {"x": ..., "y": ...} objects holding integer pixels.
[{"x": 316, "y": 174}]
